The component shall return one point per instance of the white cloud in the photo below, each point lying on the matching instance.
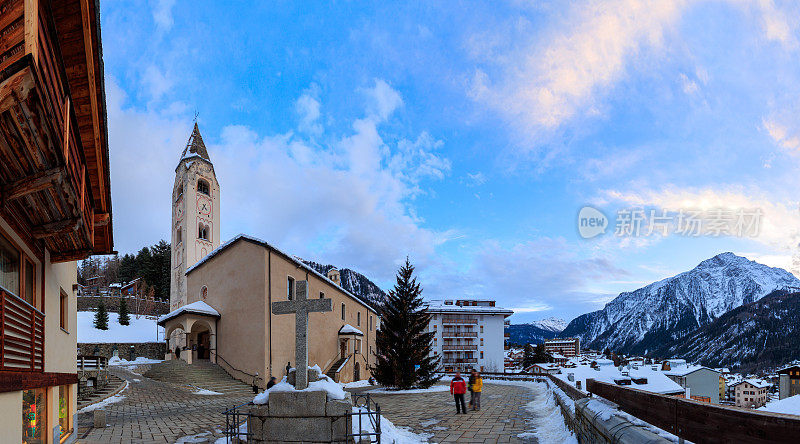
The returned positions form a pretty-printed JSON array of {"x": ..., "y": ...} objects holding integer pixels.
[
  {"x": 384, "y": 100},
  {"x": 781, "y": 133},
  {"x": 561, "y": 74},
  {"x": 162, "y": 14},
  {"x": 777, "y": 25},
  {"x": 308, "y": 108},
  {"x": 347, "y": 203},
  {"x": 476, "y": 179},
  {"x": 156, "y": 82},
  {"x": 690, "y": 87}
]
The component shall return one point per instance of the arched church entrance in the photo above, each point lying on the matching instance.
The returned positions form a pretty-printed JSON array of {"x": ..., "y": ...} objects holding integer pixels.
[{"x": 200, "y": 340}]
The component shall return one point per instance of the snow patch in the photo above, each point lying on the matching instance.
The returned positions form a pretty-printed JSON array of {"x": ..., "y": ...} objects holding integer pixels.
[{"x": 140, "y": 330}]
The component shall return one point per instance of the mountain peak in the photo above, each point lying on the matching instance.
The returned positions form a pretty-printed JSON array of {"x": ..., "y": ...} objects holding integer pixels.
[
  {"x": 722, "y": 259},
  {"x": 552, "y": 324}
]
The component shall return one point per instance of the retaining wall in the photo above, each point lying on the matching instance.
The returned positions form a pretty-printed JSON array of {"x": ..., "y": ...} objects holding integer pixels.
[
  {"x": 150, "y": 350},
  {"x": 90, "y": 303}
]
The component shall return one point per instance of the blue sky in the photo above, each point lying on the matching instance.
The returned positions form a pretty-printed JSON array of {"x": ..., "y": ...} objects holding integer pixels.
[{"x": 465, "y": 135}]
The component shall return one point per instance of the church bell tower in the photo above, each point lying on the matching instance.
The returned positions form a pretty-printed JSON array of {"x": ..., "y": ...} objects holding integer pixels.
[{"x": 195, "y": 215}]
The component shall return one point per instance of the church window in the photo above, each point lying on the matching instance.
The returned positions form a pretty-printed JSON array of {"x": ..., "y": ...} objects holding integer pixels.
[
  {"x": 289, "y": 288},
  {"x": 370, "y": 322},
  {"x": 204, "y": 293},
  {"x": 343, "y": 312},
  {"x": 358, "y": 319},
  {"x": 179, "y": 236},
  {"x": 322, "y": 295},
  {"x": 202, "y": 232},
  {"x": 202, "y": 187}
]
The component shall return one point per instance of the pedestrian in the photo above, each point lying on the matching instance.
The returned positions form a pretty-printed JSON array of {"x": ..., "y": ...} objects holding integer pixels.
[
  {"x": 469, "y": 386},
  {"x": 477, "y": 388},
  {"x": 178, "y": 352},
  {"x": 271, "y": 382},
  {"x": 458, "y": 387},
  {"x": 288, "y": 368}
]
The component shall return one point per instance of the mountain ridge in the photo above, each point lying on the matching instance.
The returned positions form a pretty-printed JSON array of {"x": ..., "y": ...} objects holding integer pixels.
[{"x": 354, "y": 282}]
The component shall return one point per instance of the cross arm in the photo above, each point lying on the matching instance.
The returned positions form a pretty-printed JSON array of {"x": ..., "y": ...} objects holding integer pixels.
[
  {"x": 284, "y": 307},
  {"x": 319, "y": 305}
]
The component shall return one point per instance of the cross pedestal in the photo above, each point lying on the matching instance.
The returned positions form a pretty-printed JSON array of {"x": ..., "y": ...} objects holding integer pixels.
[{"x": 301, "y": 306}]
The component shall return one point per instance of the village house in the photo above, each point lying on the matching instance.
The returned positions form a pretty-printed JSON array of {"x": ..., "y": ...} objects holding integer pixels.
[
  {"x": 702, "y": 382},
  {"x": 751, "y": 393},
  {"x": 789, "y": 381},
  {"x": 55, "y": 206},
  {"x": 222, "y": 294}
]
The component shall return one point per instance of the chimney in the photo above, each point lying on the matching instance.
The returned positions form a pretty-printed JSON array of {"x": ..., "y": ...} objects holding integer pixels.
[{"x": 333, "y": 274}]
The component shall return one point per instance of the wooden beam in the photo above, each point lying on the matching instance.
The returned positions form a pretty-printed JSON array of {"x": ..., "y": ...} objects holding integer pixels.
[
  {"x": 90, "y": 73},
  {"x": 32, "y": 28},
  {"x": 101, "y": 219},
  {"x": 67, "y": 256},
  {"x": 33, "y": 183},
  {"x": 11, "y": 381},
  {"x": 65, "y": 136},
  {"x": 56, "y": 228}
]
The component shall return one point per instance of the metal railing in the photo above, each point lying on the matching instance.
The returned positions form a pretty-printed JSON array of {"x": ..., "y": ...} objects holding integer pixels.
[
  {"x": 460, "y": 361},
  {"x": 364, "y": 406},
  {"x": 459, "y": 334},
  {"x": 235, "y": 418},
  {"x": 466, "y": 347},
  {"x": 459, "y": 320}
]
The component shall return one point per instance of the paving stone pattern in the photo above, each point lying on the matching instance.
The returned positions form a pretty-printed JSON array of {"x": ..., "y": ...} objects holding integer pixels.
[
  {"x": 502, "y": 416},
  {"x": 158, "y": 412}
]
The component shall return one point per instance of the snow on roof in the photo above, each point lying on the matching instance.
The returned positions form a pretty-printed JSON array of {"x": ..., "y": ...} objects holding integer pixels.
[
  {"x": 683, "y": 370},
  {"x": 790, "y": 405},
  {"x": 757, "y": 383},
  {"x": 656, "y": 381},
  {"x": 266, "y": 244},
  {"x": 198, "y": 307},
  {"x": 348, "y": 329},
  {"x": 438, "y": 305},
  {"x": 557, "y": 356}
]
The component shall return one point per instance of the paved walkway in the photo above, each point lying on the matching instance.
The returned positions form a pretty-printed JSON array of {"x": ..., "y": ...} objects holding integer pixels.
[
  {"x": 502, "y": 416},
  {"x": 158, "y": 412}
]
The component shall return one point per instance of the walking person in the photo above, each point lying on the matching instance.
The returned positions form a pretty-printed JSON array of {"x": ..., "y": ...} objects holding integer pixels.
[
  {"x": 477, "y": 388},
  {"x": 272, "y": 381},
  {"x": 458, "y": 387},
  {"x": 469, "y": 386}
]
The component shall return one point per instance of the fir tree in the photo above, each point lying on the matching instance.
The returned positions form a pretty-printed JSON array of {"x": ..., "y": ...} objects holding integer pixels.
[
  {"x": 101, "y": 317},
  {"x": 528, "y": 356},
  {"x": 404, "y": 357},
  {"x": 124, "y": 319}
]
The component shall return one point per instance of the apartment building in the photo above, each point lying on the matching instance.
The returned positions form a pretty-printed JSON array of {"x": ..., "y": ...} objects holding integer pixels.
[
  {"x": 751, "y": 393},
  {"x": 55, "y": 207},
  {"x": 567, "y": 347},
  {"x": 789, "y": 381},
  {"x": 470, "y": 333},
  {"x": 702, "y": 382}
]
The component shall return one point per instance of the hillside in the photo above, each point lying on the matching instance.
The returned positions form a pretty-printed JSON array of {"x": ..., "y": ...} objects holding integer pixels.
[
  {"x": 758, "y": 335},
  {"x": 643, "y": 320},
  {"x": 354, "y": 282}
]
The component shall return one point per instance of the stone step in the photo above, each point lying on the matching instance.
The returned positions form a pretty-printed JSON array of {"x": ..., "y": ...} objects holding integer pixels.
[{"x": 202, "y": 374}]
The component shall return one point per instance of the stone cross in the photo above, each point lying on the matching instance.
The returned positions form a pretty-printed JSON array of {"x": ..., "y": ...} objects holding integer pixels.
[{"x": 301, "y": 306}]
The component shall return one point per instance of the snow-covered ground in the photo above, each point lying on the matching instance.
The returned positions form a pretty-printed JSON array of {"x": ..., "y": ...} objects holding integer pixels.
[
  {"x": 116, "y": 360},
  {"x": 389, "y": 432},
  {"x": 110, "y": 400},
  {"x": 433, "y": 388},
  {"x": 139, "y": 330},
  {"x": 547, "y": 419},
  {"x": 790, "y": 405}
]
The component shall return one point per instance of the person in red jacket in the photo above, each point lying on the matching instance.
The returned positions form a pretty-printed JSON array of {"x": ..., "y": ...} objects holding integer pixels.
[{"x": 457, "y": 388}]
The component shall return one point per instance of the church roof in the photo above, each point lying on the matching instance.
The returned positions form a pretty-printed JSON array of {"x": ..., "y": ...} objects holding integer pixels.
[
  {"x": 195, "y": 146},
  {"x": 265, "y": 244},
  {"x": 198, "y": 307}
]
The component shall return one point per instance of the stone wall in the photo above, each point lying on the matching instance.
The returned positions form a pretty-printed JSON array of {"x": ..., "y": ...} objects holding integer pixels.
[
  {"x": 90, "y": 303},
  {"x": 150, "y": 350},
  {"x": 594, "y": 421},
  {"x": 300, "y": 417}
]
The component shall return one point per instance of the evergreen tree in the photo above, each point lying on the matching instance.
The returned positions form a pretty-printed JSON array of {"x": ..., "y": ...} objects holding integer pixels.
[
  {"x": 528, "y": 356},
  {"x": 404, "y": 357},
  {"x": 101, "y": 317},
  {"x": 124, "y": 319},
  {"x": 540, "y": 355}
]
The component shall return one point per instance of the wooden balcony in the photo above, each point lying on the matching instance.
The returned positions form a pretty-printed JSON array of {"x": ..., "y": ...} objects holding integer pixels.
[
  {"x": 53, "y": 149},
  {"x": 21, "y": 335}
]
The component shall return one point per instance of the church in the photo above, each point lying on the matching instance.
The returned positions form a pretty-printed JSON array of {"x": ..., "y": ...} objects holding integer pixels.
[{"x": 221, "y": 295}]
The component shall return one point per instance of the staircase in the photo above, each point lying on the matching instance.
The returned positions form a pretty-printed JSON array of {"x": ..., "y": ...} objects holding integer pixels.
[
  {"x": 200, "y": 374},
  {"x": 332, "y": 371},
  {"x": 112, "y": 386}
]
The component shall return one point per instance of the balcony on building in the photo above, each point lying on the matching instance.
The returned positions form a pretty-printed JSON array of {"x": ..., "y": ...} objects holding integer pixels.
[
  {"x": 459, "y": 347},
  {"x": 459, "y": 320},
  {"x": 451, "y": 333},
  {"x": 54, "y": 181},
  {"x": 460, "y": 360}
]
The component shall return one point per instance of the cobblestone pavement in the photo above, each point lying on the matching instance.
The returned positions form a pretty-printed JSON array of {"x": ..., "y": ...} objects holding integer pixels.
[
  {"x": 502, "y": 416},
  {"x": 158, "y": 412}
]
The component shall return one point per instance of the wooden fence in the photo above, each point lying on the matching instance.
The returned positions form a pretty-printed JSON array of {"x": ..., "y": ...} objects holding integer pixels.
[{"x": 699, "y": 421}]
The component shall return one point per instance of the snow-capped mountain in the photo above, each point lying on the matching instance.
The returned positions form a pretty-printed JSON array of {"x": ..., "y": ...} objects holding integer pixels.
[
  {"x": 667, "y": 310},
  {"x": 752, "y": 337},
  {"x": 552, "y": 324}
]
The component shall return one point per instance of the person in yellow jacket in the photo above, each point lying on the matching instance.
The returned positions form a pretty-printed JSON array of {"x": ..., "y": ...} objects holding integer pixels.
[{"x": 477, "y": 387}]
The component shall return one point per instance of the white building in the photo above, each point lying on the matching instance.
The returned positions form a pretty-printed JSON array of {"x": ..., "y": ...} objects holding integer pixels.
[{"x": 469, "y": 334}]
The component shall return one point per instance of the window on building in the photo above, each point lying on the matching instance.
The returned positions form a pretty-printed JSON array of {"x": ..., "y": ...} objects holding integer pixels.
[
  {"x": 322, "y": 295},
  {"x": 204, "y": 293},
  {"x": 29, "y": 279},
  {"x": 370, "y": 322},
  {"x": 481, "y": 341},
  {"x": 63, "y": 411},
  {"x": 178, "y": 235},
  {"x": 289, "y": 288},
  {"x": 202, "y": 187},
  {"x": 343, "y": 312},
  {"x": 481, "y": 355},
  {"x": 63, "y": 310},
  {"x": 34, "y": 415},
  {"x": 203, "y": 232},
  {"x": 435, "y": 326},
  {"x": 9, "y": 266},
  {"x": 358, "y": 319},
  {"x": 481, "y": 328}
]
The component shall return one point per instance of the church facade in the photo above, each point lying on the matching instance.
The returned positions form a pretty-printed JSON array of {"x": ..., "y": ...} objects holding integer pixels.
[{"x": 221, "y": 295}]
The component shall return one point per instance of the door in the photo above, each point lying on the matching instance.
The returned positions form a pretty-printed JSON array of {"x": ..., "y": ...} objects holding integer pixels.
[
  {"x": 356, "y": 372},
  {"x": 343, "y": 348},
  {"x": 203, "y": 345}
]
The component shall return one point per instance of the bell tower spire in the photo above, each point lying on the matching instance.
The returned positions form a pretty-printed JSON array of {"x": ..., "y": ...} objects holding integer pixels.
[{"x": 195, "y": 215}]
